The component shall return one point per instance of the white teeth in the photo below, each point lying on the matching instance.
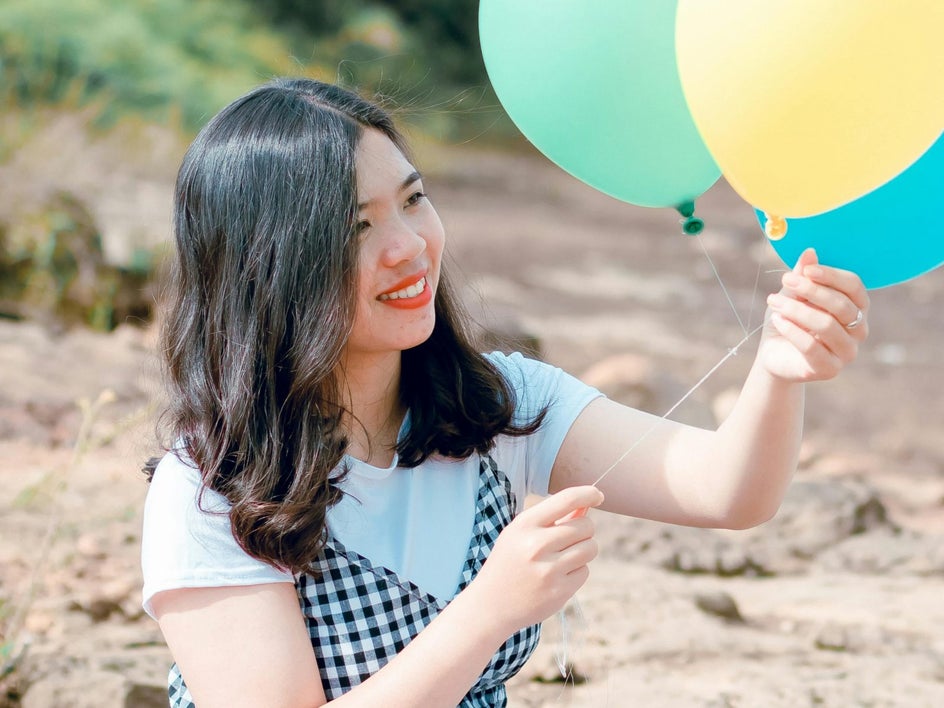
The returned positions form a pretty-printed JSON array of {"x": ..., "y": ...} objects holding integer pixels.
[{"x": 411, "y": 291}]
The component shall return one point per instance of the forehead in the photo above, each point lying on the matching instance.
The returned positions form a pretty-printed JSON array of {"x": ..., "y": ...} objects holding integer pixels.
[{"x": 380, "y": 165}]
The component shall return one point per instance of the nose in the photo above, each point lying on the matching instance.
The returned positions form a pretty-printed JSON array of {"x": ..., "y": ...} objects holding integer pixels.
[{"x": 404, "y": 243}]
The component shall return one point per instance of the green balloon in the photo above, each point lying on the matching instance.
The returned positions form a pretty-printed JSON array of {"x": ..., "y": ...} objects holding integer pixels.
[{"x": 594, "y": 85}]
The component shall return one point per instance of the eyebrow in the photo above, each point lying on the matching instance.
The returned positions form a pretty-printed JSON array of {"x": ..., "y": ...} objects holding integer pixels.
[{"x": 414, "y": 176}]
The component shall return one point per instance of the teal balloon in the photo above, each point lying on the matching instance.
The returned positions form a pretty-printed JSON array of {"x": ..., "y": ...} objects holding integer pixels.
[
  {"x": 594, "y": 86},
  {"x": 890, "y": 235}
]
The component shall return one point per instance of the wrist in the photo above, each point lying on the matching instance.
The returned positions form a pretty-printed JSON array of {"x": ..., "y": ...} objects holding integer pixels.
[
  {"x": 485, "y": 611},
  {"x": 773, "y": 381}
]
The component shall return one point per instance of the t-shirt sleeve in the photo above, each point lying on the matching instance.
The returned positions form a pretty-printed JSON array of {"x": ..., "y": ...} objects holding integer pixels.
[
  {"x": 538, "y": 385},
  {"x": 184, "y": 545}
]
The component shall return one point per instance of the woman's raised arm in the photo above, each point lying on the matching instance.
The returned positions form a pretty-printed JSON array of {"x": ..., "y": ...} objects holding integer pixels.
[{"x": 734, "y": 477}]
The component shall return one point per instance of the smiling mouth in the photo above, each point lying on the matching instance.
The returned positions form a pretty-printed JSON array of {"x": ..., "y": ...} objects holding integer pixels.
[{"x": 405, "y": 293}]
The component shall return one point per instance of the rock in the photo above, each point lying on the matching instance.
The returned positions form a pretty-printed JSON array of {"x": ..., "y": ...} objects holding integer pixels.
[
  {"x": 815, "y": 516},
  {"x": 866, "y": 639},
  {"x": 93, "y": 688},
  {"x": 39, "y": 621},
  {"x": 636, "y": 381},
  {"x": 831, "y": 638},
  {"x": 98, "y": 609},
  {"x": 141, "y": 695},
  {"x": 720, "y": 604},
  {"x": 83, "y": 689},
  {"x": 885, "y": 551},
  {"x": 553, "y": 672},
  {"x": 89, "y": 546},
  {"x": 53, "y": 269},
  {"x": 626, "y": 369}
]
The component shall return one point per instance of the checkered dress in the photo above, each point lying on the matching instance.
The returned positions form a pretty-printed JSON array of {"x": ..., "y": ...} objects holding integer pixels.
[{"x": 360, "y": 615}]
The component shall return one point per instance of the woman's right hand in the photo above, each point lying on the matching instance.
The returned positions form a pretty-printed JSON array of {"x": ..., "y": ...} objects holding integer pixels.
[{"x": 540, "y": 559}]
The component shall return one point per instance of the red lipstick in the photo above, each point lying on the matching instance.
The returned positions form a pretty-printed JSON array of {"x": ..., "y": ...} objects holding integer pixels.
[{"x": 408, "y": 303}]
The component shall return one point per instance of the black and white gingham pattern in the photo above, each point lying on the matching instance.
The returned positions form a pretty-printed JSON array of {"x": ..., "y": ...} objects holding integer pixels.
[
  {"x": 360, "y": 616},
  {"x": 495, "y": 508},
  {"x": 177, "y": 690}
]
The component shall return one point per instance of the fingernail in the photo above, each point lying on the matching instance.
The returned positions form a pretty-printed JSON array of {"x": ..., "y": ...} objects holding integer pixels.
[
  {"x": 813, "y": 272},
  {"x": 775, "y": 300}
]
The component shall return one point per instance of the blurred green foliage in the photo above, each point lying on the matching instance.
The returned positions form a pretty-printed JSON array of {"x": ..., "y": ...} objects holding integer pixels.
[
  {"x": 52, "y": 269},
  {"x": 160, "y": 58},
  {"x": 182, "y": 60},
  {"x": 421, "y": 55},
  {"x": 124, "y": 65},
  {"x": 444, "y": 33}
]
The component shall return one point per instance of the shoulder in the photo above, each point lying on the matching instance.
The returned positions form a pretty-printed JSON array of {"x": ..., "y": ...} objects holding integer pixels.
[
  {"x": 538, "y": 385},
  {"x": 176, "y": 486},
  {"x": 514, "y": 366},
  {"x": 539, "y": 388},
  {"x": 187, "y": 539},
  {"x": 522, "y": 373}
]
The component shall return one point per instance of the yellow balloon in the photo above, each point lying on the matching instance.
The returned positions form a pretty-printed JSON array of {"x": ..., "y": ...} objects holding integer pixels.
[{"x": 809, "y": 104}]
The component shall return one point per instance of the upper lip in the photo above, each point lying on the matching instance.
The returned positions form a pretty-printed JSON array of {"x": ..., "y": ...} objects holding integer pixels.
[{"x": 406, "y": 282}]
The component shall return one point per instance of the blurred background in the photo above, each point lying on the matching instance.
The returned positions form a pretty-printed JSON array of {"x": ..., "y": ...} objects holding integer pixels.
[
  {"x": 836, "y": 602},
  {"x": 102, "y": 97}
]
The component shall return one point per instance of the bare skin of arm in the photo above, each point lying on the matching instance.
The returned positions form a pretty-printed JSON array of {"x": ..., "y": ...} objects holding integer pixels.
[{"x": 734, "y": 477}]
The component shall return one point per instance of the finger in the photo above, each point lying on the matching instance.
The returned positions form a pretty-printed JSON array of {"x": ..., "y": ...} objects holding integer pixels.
[
  {"x": 822, "y": 324},
  {"x": 818, "y": 356},
  {"x": 844, "y": 281},
  {"x": 557, "y": 506},
  {"x": 561, "y": 536},
  {"x": 575, "y": 514},
  {"x": 828, "y": 299},
  {"x": 807, "y": 258},
  {"x": 818, "y": 323},
  {"x": 580, "y": 576},
  {"x": 579, "y": 554}
]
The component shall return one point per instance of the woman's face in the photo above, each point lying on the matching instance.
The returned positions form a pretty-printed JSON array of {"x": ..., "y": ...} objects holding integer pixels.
[{"x": 401, "y": 243}]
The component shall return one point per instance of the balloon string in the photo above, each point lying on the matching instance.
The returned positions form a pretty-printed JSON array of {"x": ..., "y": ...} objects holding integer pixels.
[
  {"x": 747, "y": 335},
  {"x": 658, "y": 421},
  {"x": 721, "y": 283},
  {"x": 562, "y": 653},
  {"x": 750, "y": 313}
]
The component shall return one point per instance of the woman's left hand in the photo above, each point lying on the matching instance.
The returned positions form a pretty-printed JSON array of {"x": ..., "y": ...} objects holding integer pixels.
[{"x": 815, "y": 323}]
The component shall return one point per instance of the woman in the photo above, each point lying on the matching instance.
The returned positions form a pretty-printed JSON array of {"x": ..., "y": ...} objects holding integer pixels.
[{"x": 345, "y": 461}]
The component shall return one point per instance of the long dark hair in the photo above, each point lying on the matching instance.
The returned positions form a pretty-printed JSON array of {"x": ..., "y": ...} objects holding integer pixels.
[{"x": 261, "y": 303}]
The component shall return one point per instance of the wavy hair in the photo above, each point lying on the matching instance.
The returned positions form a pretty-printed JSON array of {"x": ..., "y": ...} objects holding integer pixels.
[{"x": 261, "y": 302}]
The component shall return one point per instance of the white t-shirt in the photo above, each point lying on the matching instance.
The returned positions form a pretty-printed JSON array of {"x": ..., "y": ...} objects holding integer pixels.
[{"x": 416, "y": 521}]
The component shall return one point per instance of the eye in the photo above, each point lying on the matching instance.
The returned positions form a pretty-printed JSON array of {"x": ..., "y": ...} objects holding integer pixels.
[
  {"x": 361, "y": 226},
  {"x": 415, "y": 198}
]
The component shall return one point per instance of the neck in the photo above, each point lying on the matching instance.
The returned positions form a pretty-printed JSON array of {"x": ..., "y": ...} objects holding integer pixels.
[{"x": 372, "y": 390}]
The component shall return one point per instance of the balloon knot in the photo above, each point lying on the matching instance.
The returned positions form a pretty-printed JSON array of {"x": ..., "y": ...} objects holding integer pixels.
[
  {"x": 776, "y": 227},
  {"x": 692, "y": 226}
]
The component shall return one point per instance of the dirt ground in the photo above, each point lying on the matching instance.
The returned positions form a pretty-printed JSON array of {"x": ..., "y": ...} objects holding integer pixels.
[{"x": 837, "y": 602}]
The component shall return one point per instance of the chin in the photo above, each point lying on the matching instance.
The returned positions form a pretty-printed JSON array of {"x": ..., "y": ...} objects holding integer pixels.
[{"x": 421, "y": 336}]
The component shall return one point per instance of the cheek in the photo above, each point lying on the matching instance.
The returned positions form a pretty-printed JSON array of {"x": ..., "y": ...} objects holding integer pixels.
[
  {"x": 366, "y": 285},
  {"x": 436, "y": 235}
]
